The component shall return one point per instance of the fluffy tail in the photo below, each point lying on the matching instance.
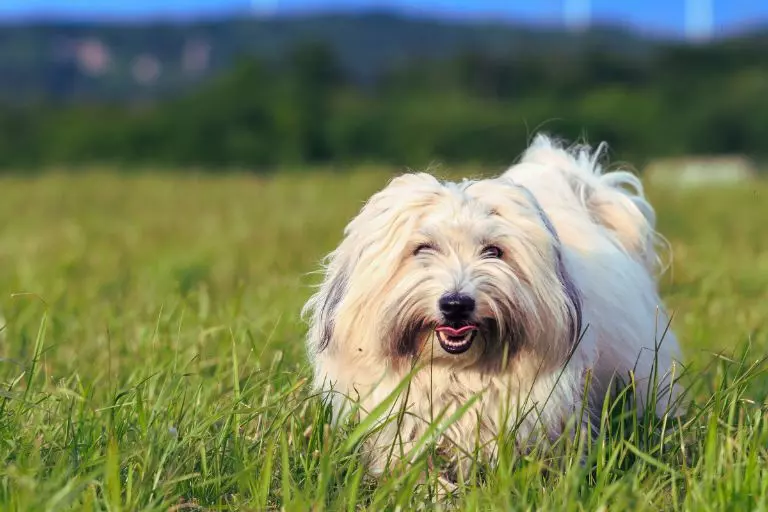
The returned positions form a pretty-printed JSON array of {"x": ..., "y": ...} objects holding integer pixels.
[{"x": 614, "y": 199}]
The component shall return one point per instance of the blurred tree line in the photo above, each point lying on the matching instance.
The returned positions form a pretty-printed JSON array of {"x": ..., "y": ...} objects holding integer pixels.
[{"x": 469, "y": 107}]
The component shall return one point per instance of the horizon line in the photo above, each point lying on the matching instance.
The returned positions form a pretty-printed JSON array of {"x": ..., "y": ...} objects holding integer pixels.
[{"x": 247, "y": 13}]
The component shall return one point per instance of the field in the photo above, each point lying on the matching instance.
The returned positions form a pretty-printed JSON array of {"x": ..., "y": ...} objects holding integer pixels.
[{"x": 152, "y": 355}]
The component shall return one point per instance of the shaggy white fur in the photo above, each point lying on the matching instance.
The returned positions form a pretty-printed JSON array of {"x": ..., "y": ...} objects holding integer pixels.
[{"x": 496, "y": 299}]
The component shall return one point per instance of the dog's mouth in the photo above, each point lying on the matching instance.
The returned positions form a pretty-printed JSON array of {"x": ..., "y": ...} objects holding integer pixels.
[{"x": 456, "y": 340}]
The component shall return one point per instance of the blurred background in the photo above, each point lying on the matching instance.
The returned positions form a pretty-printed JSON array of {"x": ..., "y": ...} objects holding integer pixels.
[
  {"x": 267, "y": 84},
  {"x": 173, "y": 171}
]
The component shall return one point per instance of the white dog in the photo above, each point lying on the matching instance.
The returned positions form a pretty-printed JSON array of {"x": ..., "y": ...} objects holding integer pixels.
[{"x": 513, "y": 289}]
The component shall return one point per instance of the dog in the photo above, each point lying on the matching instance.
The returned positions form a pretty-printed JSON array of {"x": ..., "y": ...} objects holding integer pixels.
[{"x": 516, "y": 301}]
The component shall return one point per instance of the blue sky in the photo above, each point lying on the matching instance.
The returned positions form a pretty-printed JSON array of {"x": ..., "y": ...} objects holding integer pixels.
[{"x": 665, "y": 16}]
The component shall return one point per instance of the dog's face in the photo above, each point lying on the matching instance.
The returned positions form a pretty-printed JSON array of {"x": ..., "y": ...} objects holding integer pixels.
[{"x": 461, "y": 274}]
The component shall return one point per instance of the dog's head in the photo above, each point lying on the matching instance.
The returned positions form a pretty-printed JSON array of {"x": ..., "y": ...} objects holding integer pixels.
[{"x": 462, "y": 273}]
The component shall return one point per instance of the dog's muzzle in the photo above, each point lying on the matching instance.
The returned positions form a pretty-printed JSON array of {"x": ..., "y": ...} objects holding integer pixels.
[{"x": 457, "y": 332}]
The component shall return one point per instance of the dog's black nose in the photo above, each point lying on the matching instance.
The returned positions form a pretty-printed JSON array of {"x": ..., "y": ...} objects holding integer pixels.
[{"x": 456, "y": 307}]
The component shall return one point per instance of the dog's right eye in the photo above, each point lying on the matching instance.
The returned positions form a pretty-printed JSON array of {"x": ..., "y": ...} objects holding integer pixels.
[{"x": 423, "y": 248}]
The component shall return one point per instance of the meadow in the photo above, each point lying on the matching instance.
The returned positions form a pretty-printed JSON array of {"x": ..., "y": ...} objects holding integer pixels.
[{"x": 152, "y": 355}]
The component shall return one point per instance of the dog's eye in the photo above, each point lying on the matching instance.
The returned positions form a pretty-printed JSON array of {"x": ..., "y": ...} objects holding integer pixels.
[
  {"x": 423, "y": 248},
  {"x": 492, "y": 251}
]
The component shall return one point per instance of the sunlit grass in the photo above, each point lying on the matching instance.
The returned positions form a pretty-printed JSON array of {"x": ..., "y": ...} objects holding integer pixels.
[{"x": 152, "y": 356}]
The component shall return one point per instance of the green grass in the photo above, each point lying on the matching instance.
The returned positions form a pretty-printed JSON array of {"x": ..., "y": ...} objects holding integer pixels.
[{"x": 153, "y": 357}]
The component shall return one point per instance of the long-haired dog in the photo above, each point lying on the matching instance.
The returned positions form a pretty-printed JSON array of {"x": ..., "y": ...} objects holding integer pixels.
[{"x": 522, "y": 291}]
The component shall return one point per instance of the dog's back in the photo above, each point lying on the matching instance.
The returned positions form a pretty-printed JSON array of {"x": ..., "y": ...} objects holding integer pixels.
[
  {"x": 574, "y": 176},
  {"x": 598, "y": 215}
]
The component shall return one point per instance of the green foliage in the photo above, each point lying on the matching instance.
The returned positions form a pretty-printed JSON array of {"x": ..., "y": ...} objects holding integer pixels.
[
  {"x": 307, "y": 104},
  {"x": 151, "y": 357}
]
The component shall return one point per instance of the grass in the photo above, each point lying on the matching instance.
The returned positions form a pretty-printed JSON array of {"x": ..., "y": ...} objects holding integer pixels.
[{"x": 152, "y": 356}]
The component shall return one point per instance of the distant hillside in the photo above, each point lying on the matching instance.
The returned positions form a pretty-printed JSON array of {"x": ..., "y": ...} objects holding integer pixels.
[
  {"x": 376, "y": 88},
  {"x": 70, "y": 61}
]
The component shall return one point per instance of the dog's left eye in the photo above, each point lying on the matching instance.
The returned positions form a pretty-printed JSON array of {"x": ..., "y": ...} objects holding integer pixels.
[{"x": 492, "y": 251}]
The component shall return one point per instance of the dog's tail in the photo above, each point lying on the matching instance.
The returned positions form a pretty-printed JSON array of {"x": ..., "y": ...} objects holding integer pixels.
[{"x": 614, "y": 199}]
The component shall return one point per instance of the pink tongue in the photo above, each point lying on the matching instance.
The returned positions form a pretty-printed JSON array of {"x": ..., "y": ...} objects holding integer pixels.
[{"x": 450, "y": 331}]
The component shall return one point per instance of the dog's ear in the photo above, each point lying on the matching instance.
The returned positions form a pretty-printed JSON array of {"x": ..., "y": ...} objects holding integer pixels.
[
  {"x": 323, "y": 305},
  {"x": 570, "y": 290},
  {"x": 573, "y": 297}
]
